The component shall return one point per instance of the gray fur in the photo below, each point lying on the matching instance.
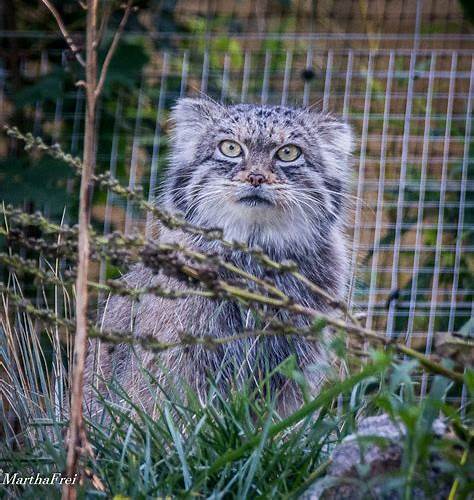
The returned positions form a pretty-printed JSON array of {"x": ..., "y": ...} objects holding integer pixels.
[{"x": 302, "y": 221}]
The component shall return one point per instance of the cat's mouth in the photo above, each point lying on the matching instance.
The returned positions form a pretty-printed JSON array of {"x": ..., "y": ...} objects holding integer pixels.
[
  {"x": 254, "y": 196},
  {"x": 253, "y": 200}
]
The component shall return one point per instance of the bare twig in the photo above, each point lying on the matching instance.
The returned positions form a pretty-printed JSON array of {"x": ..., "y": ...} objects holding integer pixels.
[
  {"x": 112, "y": 48},
  {"x": 104, "y": 21},
  {"x": 74, "y": 49}
]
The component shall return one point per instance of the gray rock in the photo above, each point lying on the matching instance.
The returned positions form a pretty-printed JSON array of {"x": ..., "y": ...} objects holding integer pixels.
[{"x": 355, "y": 459}]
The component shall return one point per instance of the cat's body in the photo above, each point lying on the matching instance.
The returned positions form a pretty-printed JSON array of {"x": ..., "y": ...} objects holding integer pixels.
[{"x": 271, "y": 177}]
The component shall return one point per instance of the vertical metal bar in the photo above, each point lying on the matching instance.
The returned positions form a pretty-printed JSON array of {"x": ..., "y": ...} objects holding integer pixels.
[
  {"x": 245, "y": 77},
  {"x": 380, "y": 191},
  {"x": 56, "y": 132},
  {"x": 464, "y": 388},
  {"x": 439, "y": 235},
  {"x": 156, "y": 141},
  {"x": 225, "y": 77},
  {"x": 401, "y": 190},
  {"x": 463, "y": 405},
  {"x": 134, "y": 159},
  {"x": 205, "y": 71},
  {"x": 266, "y": 76},
  {"x": 327, "y": 81},
  {"x": 75, "y": 138},
  {"x": 184, "y": 73},
  {"x": 113, "y": 163},
  {"x": 462, "y": 201},
  {"x": 421, "y": 200},
  {"x": 76, "y": 121},
  {"x": 361, "y": 179},
  {"x": 3, "y": 79},
  {"x": 100, "y": 115},
  {"x": 286, "y": 77},
  {"x": 347, "y": 88},
  {"x": 307, "y": 84},
  {"x": 419, "y": 10}
]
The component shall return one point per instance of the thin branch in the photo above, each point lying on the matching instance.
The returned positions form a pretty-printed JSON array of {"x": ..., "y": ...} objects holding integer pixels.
[
  {"x": 75, "y": 50},
  {"x": 104, "y": 22},
  {"x": 112, "y": 49},
  {"x": 429, "y": 364}
]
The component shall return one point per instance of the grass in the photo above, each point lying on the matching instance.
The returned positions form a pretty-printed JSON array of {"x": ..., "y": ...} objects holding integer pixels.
[{"x": 233, "y": 445}]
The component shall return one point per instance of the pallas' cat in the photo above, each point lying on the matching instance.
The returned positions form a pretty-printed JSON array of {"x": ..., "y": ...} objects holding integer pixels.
[{"x": 271, "y": 177}]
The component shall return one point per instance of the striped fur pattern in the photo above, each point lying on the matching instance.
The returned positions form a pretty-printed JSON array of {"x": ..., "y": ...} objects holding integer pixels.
[{"x": 292, "y": 210}]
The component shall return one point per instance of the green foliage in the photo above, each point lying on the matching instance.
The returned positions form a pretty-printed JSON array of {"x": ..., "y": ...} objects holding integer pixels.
[
  {"x": 234, "y": 445},
  {"x": 46, "y": 89},
  {"x": 36, "y": 184},
  {"x": 126, "y": 67}
]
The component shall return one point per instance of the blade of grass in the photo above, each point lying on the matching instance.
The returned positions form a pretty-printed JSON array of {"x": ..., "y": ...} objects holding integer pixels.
[{"x": 322, "y": 399}]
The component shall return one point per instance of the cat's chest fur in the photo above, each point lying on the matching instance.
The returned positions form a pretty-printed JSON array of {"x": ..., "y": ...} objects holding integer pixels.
[{"x": 221, "y": 318}]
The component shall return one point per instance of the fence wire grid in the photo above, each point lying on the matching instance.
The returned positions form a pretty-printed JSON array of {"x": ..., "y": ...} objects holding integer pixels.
[{"x": 411, "y": 228}]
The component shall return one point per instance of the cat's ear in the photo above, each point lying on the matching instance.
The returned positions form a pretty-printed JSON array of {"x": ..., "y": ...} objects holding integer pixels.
[
  {"x": 191, "y": 117},
  {"x": 335, "y": 142},
  {"x": 336, "y": 135},
  {"x": 195, "y": 113}
]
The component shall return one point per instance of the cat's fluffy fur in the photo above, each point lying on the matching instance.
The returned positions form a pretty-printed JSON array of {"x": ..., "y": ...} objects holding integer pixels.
[{"x": 300, "y": 218}]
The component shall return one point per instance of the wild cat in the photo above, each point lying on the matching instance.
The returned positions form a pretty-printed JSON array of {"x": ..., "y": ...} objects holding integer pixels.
[{"x": 272, "y": 177}]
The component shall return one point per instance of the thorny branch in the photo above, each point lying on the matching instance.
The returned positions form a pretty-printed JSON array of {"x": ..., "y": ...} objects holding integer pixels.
[
  {"x": 117, "y": 247},
  {"x": 149, "y": 342},
  {"x": 221, "y": 287}
]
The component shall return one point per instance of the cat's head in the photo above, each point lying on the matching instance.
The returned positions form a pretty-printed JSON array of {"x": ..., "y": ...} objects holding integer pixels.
[{"x": 260, "y": 173}]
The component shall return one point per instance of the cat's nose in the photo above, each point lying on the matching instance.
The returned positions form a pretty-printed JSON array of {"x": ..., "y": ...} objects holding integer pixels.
[{"x": 256, "y": 179}]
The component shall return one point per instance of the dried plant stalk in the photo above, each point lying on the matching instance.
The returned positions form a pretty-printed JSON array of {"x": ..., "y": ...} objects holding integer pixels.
[
  {"x": 93, "y": 84},
  {"x": 77, "y": 441}
]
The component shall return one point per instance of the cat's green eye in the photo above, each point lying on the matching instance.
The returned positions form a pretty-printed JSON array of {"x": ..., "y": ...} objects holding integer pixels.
[
  {"x": 288, "y": 153},
  {"x": 230, "y": 148}
]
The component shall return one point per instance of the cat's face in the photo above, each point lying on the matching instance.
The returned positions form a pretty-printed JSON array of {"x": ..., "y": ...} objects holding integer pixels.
[{"x": 260, "y": 173}]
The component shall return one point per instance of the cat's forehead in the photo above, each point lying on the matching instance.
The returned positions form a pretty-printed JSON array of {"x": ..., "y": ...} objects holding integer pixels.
[{"x": 267, "y": 124}]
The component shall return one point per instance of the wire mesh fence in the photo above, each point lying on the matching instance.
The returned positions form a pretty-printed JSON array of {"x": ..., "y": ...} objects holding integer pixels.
[{"x": 411, "y": 225}]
